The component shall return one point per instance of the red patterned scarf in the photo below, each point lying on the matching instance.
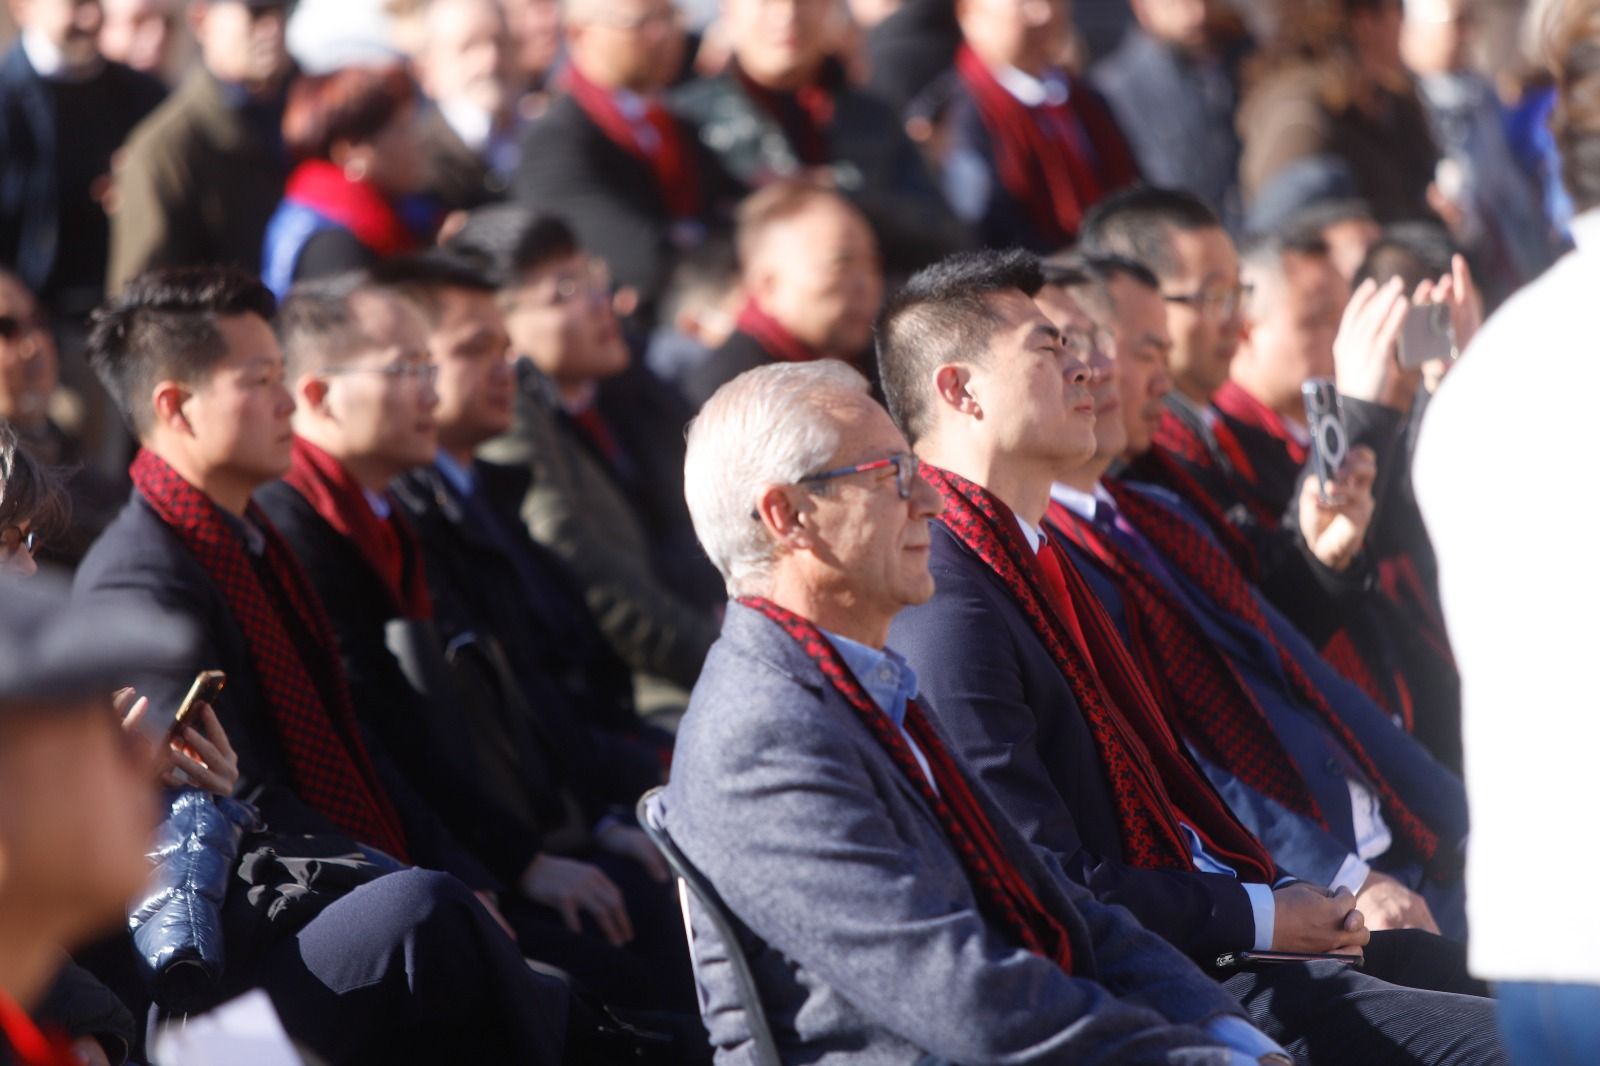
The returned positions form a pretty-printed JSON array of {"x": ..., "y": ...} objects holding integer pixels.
[
  {"x": 1159, "y": 466},
  {"x": 1231, "y": 463},
  {"x": 1242, "y": 407},
  {"x": 1214, "y": 701},
  {"x": 1154, "y": 785},
  {"x": 356, "y": 205},
  {"x": 1001, "y": 890},
  {"x": 28, "y": 1044},
  {"x": 328, "y": 763},
  {"x": 671, "y": 158},
  {"x": 1041, "y": 154},
  {"x": 773, "y": 335},
  {"x": 389, "y": 544}
]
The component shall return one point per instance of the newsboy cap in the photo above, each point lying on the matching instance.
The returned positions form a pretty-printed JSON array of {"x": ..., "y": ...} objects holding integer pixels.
[{"x": 54, "y": 650}]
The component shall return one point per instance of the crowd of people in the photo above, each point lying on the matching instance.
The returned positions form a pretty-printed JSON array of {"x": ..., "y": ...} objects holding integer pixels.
[{"x": 1011, "y": 487}]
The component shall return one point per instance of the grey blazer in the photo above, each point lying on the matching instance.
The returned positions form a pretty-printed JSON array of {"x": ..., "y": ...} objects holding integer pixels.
[{"x": 863, "y": 931}]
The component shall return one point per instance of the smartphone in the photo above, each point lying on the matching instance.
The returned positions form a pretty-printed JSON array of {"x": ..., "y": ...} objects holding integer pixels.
[
  {"x": 1250, "y": 960},
  {"x": 208, "y": 685},
  {"x": 1330, "y": 443},
  {"x": 1426, "y": 334}
]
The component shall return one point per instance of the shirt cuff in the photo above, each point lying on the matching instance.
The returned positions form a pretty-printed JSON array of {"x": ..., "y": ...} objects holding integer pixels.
[
  {"x": 1236, "y": 1034},
  {"x": 1265, "y": 909},
  {"x": 1352, "y": 875}
]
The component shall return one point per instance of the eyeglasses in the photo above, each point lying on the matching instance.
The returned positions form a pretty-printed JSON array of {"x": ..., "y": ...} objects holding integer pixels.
[
  {"x": 1221, "y": 304},
  {"x": 419, "y": 372},
  {"x": 593, "y": 284},
  {"x": 14, "y": 326},
  {"x": 13, "y": 538},
  {"x": 905, "y": 466}
]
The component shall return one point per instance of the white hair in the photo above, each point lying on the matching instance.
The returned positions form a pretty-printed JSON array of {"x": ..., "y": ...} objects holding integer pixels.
[{"x": 768, "y": 426}]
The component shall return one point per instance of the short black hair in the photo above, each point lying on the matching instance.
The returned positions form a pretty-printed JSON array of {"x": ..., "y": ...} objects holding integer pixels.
[
  {"x": 163, "y": 324},
  {"x": 544, "y": 239},
  {"x": 1139, "y": 222},
  {"x": 942, "y": 315},
  {"x": 1075, "y": 269},
  {"x": 1412, "y": 251},
  {"x": 31, "y": 493},
  {"x": 422, "y": 276}
]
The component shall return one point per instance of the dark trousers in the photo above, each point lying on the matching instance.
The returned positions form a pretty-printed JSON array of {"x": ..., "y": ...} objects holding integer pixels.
[
  {"x": 410, "y": 968},
  {"x": 1386, "y": 1013}
]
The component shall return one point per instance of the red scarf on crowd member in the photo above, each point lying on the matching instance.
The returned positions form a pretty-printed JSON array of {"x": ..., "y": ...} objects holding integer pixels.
[
  {"x": 672, "y": 157},
  {"x": 1002, "y": 892},
  {"x": 1041, "y": 154},
  {"x": 1159, "y": 466},
  {"x": 309, "y": 703},
  {"x": 1234, "y": 466},
  {"x": 1240, "y": 406},
  {"x": 389, "y": 544},
  {"x": 1213, "y": 701},
  {"x": 803, "y": 115},
  {"x": 358, "y": 206},
  {"x": 28, "y": 1044},
  {"x": 1154, "y": 785},
  {"x": 773, "y": 335}
]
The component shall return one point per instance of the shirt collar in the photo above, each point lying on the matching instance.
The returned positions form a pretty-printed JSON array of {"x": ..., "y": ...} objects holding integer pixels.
[
  {"x": 1083, "y": 504},
  {"x": 255, "y": 541},
  {"x": 1032, "y": 534},
  {"x": 1203, "y": 412},
  {"x": 472, "y": 124},
  {"x": 885, "y": 674},
  {"x": 378, "y": 502},
  {"x": 461, "y": 478},
  {"x": 1032, "y": 91}
]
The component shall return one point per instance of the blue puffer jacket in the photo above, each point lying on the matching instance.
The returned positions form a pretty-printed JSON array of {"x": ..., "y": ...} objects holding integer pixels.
[{"x": 177, "y": 927}]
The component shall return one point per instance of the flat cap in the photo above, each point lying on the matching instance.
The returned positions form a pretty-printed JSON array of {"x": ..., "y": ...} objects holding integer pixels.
[{"x": 54, "y": 649}]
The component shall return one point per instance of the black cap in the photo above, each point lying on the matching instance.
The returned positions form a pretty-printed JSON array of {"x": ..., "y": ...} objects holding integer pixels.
[{"x": 54, "y": 649}]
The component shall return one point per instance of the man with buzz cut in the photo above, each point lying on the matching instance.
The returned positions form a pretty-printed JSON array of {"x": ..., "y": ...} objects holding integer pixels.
[
  {"x": 890, "y": 911},
  {"x": 413, "y": 965},
  {"x": 1056, "y": 718}
]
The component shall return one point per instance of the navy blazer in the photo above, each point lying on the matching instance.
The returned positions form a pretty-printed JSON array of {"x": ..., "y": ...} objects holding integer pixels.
[
  {"x": 140, "y": 559},
  {"x": 1432, "y": 792},
  {"x": 1013, "y": 718},
  {"x": 863, "y": 931}
]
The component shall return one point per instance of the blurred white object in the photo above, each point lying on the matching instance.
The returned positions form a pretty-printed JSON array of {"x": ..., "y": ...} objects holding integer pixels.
[
  {"x": 242, "y": 1032},
  {"x": 325, "y": 35}
]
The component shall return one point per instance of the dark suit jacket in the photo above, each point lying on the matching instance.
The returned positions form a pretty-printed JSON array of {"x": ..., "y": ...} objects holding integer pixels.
[
  {"x": 418, "y": 740},
  {"x": 572, "y": 682},
  {"x": 863, "y": 930},
  {"x": 610, "y": 196},
  {"x": 740, "y": 352},
  {"x": 140, "y": 559},
  {"x": 1013, "y": 718},
  {"x": 873, "y": 162},
  {"x": 31, "y": 147}
]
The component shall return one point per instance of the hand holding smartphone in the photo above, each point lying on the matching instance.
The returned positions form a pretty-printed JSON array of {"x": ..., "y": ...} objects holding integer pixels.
[
  {"x": 1330, "y": 442},
  {"x": 208, "y": 685}
]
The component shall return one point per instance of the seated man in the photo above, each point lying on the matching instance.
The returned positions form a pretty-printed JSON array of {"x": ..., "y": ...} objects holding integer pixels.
[
  {"x": 784, "y": 108},
  {"x": 192, "y": 360},
  {"x": 1054, "y": 715},
  {"x": 1031, "y": 147},
  {"x": 635, "y": 182},
  {"x": 602, "y": 441},
  {"x": 812, "y": 285},
  {"x": 825, "y": 807},
  {"x": 1306, "y": 760},
  {"x": 1217, "y": 463}
]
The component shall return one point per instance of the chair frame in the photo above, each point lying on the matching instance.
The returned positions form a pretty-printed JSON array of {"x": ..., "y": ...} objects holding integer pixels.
[{"x": 722, "y": 920}]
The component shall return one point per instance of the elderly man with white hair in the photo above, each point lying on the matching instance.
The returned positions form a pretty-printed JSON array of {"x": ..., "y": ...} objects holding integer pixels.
[{"x": 890, "y": 913}]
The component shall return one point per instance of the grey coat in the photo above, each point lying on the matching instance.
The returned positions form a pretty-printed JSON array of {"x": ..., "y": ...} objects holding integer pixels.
[{"x": 864, "y": 934}]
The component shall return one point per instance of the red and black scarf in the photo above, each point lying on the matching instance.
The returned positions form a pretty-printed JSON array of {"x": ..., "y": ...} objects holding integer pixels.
[
  {"x": 672, "y": 156},
  {"x": 328, "y": 763},
  {"x": 388, "y": 544},
  {"x": 1210, "y": 699},
  {"x": 805, "y": 115},
  {"x": 358, "y": 206},
  {"x": 1039, "y": 151},
  {"x": 1244, "y": 408},
  {"x": 1001, "y": 890},
  {"x": 1230, "y": 463},
  {"x": 773, "y": 335},
  {"x": 1159, "y": 466},
  {"x": 1156, "y": 788}
]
